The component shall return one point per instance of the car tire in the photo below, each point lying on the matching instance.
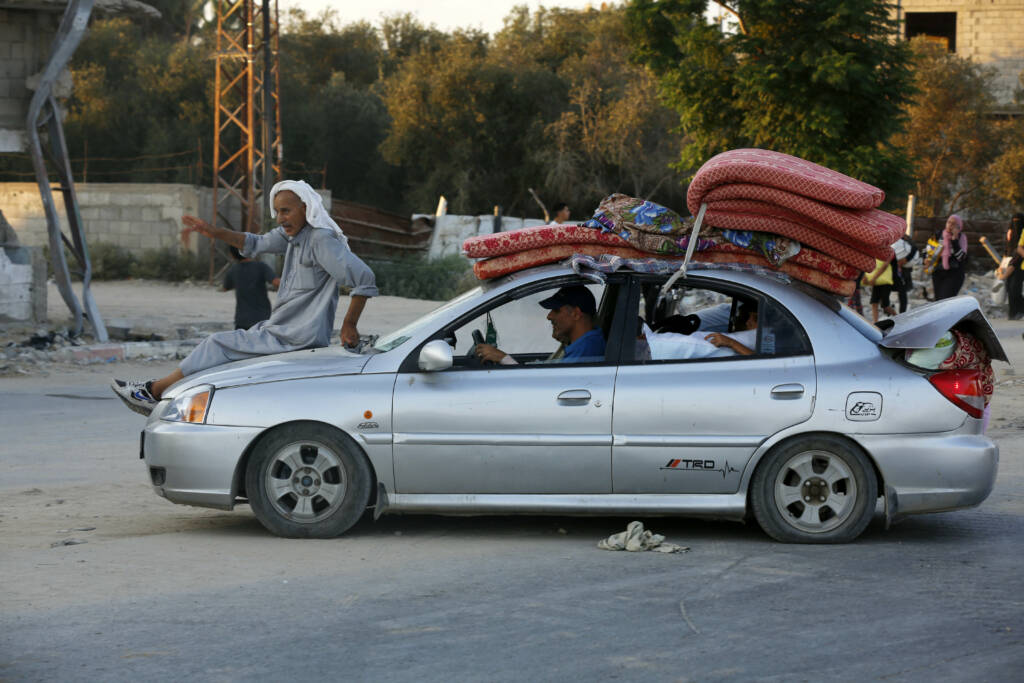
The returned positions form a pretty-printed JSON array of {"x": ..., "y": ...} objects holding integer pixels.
[
  {"x": 307, "y": 480},
  {"x": 819, "y": 489}
]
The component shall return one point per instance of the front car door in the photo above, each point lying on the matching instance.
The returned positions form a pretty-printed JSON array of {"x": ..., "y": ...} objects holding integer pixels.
[
  {"x": 541, "y": 426},
  {"x": 687, "y": 422}
]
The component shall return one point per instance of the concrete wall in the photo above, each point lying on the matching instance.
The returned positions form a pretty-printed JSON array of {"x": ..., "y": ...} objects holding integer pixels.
[
  {"x": 136, "y": 216},
  {"x": 450, "y": 231},
  {"x": 990, "y": 32}
]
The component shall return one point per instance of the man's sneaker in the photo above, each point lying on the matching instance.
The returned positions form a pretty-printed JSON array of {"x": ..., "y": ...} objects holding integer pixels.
[{"x": 136, "y": 395}]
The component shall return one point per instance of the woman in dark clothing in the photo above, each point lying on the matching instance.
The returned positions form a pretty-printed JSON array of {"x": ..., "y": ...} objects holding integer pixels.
[
  {"x": 1015, "y": 280},
  {"x": 948, "y": 275}
]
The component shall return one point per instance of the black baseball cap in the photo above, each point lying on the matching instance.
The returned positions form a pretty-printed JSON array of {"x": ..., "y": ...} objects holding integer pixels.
[{"x": 571, "y": 295}]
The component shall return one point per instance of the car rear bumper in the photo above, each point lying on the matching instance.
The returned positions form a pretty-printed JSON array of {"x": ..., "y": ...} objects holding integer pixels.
[
  {"x": 934, "y": 472},
  {"x": 195, "y": 464}
]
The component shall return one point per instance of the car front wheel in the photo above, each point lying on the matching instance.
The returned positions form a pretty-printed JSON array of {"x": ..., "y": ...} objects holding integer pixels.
[
  {"x": 814, "y": 490},
  {"x": 307, "y": 481}
]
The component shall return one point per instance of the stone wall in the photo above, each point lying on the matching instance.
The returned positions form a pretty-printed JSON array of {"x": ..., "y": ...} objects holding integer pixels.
[
  {"x": 134, "y": 216},
  {"x": 990, "y": 32}
]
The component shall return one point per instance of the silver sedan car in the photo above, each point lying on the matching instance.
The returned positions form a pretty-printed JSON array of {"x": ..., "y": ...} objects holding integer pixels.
[{"x": 819, "y": 420}]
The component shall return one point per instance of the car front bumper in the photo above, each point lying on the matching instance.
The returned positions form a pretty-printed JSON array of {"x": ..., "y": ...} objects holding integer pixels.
[
  {"x": 934, "y": 472},
  {"x": 195, "y": 464}
]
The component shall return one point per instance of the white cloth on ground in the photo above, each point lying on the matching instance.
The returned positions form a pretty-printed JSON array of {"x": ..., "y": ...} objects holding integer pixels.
[{"x": 636, "y": 539}]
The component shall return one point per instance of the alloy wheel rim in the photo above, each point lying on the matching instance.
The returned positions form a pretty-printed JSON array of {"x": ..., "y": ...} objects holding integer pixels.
[
  {"x": 815, "y": 491},
  {"x": 305, "y": 481}
]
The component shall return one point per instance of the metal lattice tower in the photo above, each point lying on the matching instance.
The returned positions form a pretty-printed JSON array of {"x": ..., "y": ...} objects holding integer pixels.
[{"x": 247, "y": 115}]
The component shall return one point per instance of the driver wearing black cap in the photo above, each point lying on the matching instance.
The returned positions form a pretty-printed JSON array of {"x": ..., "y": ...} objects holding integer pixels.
[{"x": 572, "y": 309}]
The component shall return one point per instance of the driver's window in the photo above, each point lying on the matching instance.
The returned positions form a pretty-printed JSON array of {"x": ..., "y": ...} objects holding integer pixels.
[{"x": 521, "y": 327}]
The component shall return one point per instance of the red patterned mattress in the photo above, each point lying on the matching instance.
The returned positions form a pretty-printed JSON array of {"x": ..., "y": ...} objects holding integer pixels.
[
  {"x": 853, "y": 226},
  {"x": 510, "y": 263},
  {"x": 542, "y": 236},
  {"x": 782, "y": 171},
  {"x": 797, "y": 272}
]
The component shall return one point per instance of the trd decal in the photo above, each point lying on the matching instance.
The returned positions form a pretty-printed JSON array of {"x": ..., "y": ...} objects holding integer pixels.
[
  {"x": 684, "y": 465},
  {"x": 863, "y": 408}
]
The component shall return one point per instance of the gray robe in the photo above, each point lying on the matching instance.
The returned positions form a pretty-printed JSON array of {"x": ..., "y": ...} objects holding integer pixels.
[{"x": 316, "y": 261}]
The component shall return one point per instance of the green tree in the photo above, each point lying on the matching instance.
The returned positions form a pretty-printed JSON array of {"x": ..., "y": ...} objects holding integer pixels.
[
  {"x": 819, "y": 79},
  {"x": 951, "y": 135}
]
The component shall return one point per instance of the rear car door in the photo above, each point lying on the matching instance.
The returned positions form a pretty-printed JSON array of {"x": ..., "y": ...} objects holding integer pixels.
[{"x": 691, "y": 425}]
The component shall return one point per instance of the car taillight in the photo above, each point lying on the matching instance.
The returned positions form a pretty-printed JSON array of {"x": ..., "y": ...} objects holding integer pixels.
[{"x": 963, "y": 388}]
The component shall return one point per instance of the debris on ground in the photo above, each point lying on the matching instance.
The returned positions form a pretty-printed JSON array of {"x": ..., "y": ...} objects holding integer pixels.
[
  {"x": 67, "y": 541},
  {"x": 636, "y": 539}
]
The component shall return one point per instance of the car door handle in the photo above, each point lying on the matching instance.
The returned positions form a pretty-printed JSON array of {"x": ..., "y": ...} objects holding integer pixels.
[
  {"x": 787, "y": 391},
  {"x": 574, "y": 397}
]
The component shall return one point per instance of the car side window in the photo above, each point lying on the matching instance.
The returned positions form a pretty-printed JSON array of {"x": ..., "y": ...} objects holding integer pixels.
[
  {"x": 524, "y": 328},
  {"x": 691, "y": 323}
]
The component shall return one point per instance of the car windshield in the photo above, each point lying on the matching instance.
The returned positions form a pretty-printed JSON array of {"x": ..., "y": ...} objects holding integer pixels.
[{"x": 407, "y": 332}]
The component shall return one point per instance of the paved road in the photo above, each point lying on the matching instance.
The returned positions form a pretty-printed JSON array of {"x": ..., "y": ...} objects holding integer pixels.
[{"x": 163, "y": 592}]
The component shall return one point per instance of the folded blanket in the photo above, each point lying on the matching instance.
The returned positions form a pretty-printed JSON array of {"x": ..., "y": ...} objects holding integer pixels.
[{"x": 782, "y": 171}]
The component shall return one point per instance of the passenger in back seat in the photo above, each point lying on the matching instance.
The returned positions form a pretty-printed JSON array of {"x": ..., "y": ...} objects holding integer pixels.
[{"x": 744, "y": 337}]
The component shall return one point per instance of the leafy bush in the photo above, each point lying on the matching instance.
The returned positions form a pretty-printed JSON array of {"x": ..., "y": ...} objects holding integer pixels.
[
  {"x": 419, "y": 278},
  {"x": 110, "y": 262},
  {"x": 172, "y": 265}
]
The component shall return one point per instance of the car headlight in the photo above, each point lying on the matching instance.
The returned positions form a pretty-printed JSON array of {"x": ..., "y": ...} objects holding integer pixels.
[{"x": 190, "y": 406}]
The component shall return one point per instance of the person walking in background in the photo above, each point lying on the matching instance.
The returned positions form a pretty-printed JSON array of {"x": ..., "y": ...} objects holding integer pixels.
[
  {"x": 561, "y": 213},
  {"x": 948, "y": 273},
  {"x": 249, "y": 279},
  {"x": 880, "y": 281},
  {"x": 1015, "y": 280},
  {"x": 903, "y": 267}
]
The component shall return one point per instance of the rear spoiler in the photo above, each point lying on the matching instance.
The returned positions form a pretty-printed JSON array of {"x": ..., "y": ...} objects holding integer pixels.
[{"x": 920, "y": 328}]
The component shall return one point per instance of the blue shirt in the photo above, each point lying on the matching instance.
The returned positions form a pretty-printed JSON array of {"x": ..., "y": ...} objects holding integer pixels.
[{"x": 589, "y": 348}]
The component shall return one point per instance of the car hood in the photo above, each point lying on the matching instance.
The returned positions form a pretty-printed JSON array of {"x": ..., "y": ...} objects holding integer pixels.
[
  {"x": 332, "y": 360},
  {"x": 920, "y": 328}
]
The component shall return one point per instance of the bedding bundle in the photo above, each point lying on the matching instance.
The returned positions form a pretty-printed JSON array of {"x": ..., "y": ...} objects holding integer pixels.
[{"x": 762, "y": 208}]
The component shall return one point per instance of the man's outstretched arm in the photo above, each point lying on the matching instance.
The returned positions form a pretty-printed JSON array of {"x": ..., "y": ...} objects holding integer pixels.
[{"x": 193, "y": 224}]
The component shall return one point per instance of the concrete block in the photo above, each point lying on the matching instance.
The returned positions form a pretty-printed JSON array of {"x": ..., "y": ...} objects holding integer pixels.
[
  {"x": 98, "y": 353},
  {"x": 150, "y": 214},
  {"x": 89, "y": 212},
  {"x": 110, "y": 213}
]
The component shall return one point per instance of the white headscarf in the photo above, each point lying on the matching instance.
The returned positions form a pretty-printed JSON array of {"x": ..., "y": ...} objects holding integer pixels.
[{"x": 316, "y": 213}]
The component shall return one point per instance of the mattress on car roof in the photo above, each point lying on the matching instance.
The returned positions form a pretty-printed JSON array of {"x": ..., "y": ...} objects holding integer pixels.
[
  {"x": 785, "y": 172},
  {"x": 510, "y": 263}
]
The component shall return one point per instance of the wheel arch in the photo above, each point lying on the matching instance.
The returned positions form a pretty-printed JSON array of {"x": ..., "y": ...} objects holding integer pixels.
[
  {"x": 762, "y": 457},
  {"x": 238, "y": 478}
]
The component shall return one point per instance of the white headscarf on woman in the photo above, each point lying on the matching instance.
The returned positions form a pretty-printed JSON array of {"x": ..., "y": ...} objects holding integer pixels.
[{"x": 316, "y": 214}]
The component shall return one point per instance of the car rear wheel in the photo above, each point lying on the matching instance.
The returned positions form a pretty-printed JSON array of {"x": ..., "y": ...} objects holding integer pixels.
[
  {"x": 814, "y": 490},
  {"x": 307, "y": 481}
]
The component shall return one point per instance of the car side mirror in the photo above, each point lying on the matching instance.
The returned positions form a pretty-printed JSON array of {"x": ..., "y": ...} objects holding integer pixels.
[{"x": 435, "y": 355}]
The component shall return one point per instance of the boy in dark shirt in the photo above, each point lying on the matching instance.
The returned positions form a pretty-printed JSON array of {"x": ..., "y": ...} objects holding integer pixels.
[{"x": 249, "y": 279}]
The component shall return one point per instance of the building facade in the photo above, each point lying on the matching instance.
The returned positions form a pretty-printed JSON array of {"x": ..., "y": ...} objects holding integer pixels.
[{"x": 989, "y": 32}]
